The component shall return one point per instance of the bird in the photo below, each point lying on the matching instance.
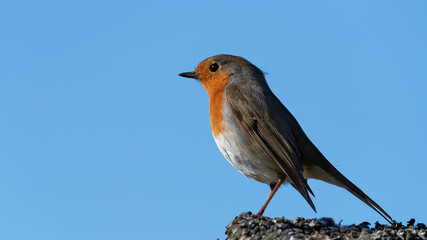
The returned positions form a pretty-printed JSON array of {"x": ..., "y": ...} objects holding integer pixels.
[{"x": 259, "y": 136}]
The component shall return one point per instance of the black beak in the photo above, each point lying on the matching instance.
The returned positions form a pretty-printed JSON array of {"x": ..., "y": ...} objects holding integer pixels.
[{"x": 190, "y": 75}]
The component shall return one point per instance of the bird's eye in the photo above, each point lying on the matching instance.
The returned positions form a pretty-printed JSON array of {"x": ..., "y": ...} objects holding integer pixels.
[{"x": 213, "y": 67}]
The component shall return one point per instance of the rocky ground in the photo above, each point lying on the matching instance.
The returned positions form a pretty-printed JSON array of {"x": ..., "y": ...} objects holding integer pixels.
[{"x": 248, "y": 226}]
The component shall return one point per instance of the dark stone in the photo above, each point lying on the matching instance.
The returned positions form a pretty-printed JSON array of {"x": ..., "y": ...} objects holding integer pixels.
[{"x": 247, "y": 225}]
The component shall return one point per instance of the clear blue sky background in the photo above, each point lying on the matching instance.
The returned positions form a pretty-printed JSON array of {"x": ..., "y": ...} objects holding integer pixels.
[{"x": 100, "y": 138}]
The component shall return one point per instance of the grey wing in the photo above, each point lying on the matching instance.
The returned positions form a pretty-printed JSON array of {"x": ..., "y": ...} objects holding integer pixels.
[
  {"x": 276, "y": 140},
  {"x": 311, "y": 154}
]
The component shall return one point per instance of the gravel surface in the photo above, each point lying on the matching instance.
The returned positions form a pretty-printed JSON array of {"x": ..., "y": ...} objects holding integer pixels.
[{"x": 248, "y": 226}]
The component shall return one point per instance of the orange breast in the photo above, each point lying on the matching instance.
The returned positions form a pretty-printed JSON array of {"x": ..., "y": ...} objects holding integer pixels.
[
  {"x": 216, "y": 113},
  {"x": 215, "y": 87}
]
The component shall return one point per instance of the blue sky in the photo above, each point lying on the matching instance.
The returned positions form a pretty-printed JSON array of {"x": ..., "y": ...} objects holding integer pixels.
[{"x": 100, "y": 138}]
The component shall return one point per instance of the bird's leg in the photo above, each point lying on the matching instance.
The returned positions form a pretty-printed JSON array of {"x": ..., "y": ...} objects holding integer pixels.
[{"x": 270, "y": 196}]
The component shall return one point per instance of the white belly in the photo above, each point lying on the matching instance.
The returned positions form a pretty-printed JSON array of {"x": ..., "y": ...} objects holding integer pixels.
[{"x": 245, "y": 154}]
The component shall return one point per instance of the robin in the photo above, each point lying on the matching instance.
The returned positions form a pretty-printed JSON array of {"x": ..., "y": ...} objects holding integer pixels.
[{"x": 259, "y": 136}]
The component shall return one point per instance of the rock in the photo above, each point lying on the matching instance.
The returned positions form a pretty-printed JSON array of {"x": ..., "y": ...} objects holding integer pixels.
[{"x": 248, "y": 226}]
